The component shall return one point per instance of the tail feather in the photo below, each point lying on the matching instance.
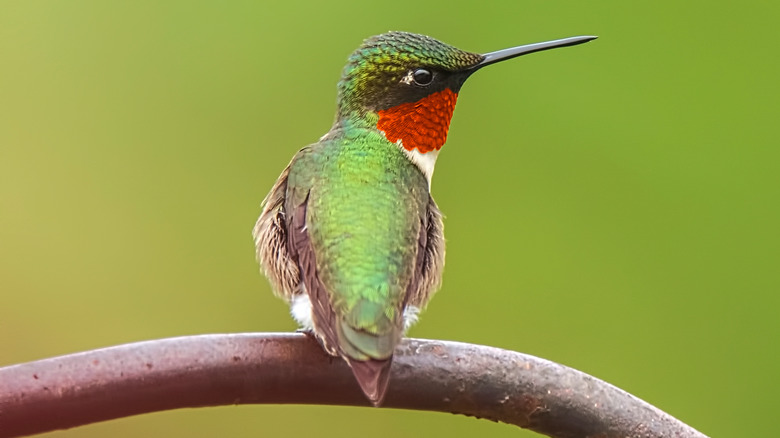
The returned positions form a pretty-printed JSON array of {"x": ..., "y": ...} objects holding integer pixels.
[
  {"x": 369, "y": 355},
  {"x": 372, "y": 375},
  {"x": 362, "y": 344}
]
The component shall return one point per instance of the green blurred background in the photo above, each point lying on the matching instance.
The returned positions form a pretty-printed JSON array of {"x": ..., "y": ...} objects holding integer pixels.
[{"x": 612, "y": 207}]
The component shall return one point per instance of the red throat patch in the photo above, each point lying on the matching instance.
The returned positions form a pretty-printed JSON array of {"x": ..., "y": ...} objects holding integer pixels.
[{"x": 420, "y": 125}]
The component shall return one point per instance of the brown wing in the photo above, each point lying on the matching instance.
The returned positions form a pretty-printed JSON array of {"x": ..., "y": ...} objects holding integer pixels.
[
  {"x": 372, "y": 375},
  {"x": 270, "y": 234},
  {"x": 430, "y": 258},
  {"x": 323, "y": 316},
  {"x": 286, "y": 254}
]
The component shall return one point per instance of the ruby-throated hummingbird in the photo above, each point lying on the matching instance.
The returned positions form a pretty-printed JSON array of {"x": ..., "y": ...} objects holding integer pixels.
[{"x": 349, "y": 235}]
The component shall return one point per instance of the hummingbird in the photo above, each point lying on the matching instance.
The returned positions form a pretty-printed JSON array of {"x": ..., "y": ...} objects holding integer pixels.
[{"x": 349, "y": 235}]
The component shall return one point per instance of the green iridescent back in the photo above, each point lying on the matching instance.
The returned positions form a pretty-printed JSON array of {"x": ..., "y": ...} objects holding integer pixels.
[{"x": 366, "y": 206}]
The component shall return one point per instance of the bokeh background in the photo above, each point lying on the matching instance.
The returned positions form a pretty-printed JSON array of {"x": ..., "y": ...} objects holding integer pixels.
[{"x": 612, "y": 207}]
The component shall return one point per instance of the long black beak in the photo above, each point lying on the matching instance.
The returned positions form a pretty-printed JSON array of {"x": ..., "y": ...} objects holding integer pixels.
[{"x": 501, "y": 55}]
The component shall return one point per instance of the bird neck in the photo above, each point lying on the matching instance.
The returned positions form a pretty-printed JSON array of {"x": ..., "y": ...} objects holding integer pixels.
[
  {"x": 421, "y": 125},
  {"x": 418, "y": 128}
]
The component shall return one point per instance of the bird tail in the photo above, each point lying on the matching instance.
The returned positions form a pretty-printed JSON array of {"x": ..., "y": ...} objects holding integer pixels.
[
  {"x": 372, "y": 375},
  {"x": 369, "y": 352}
]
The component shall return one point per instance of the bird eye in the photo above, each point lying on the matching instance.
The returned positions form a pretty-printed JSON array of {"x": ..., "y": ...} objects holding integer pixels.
[{"x": 422, "y": 76}]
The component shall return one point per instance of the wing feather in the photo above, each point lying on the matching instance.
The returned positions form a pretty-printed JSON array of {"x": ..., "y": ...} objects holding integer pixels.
[
  {"x": 430, "y": 259},
  {"x": 371, "y": 374},
  {"x": 271, "y": 243},
  {"x": 323, "y": 316}
]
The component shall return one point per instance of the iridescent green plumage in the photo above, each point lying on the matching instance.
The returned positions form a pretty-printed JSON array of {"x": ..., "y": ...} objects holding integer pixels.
[{"x": 366, "y": 206}]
